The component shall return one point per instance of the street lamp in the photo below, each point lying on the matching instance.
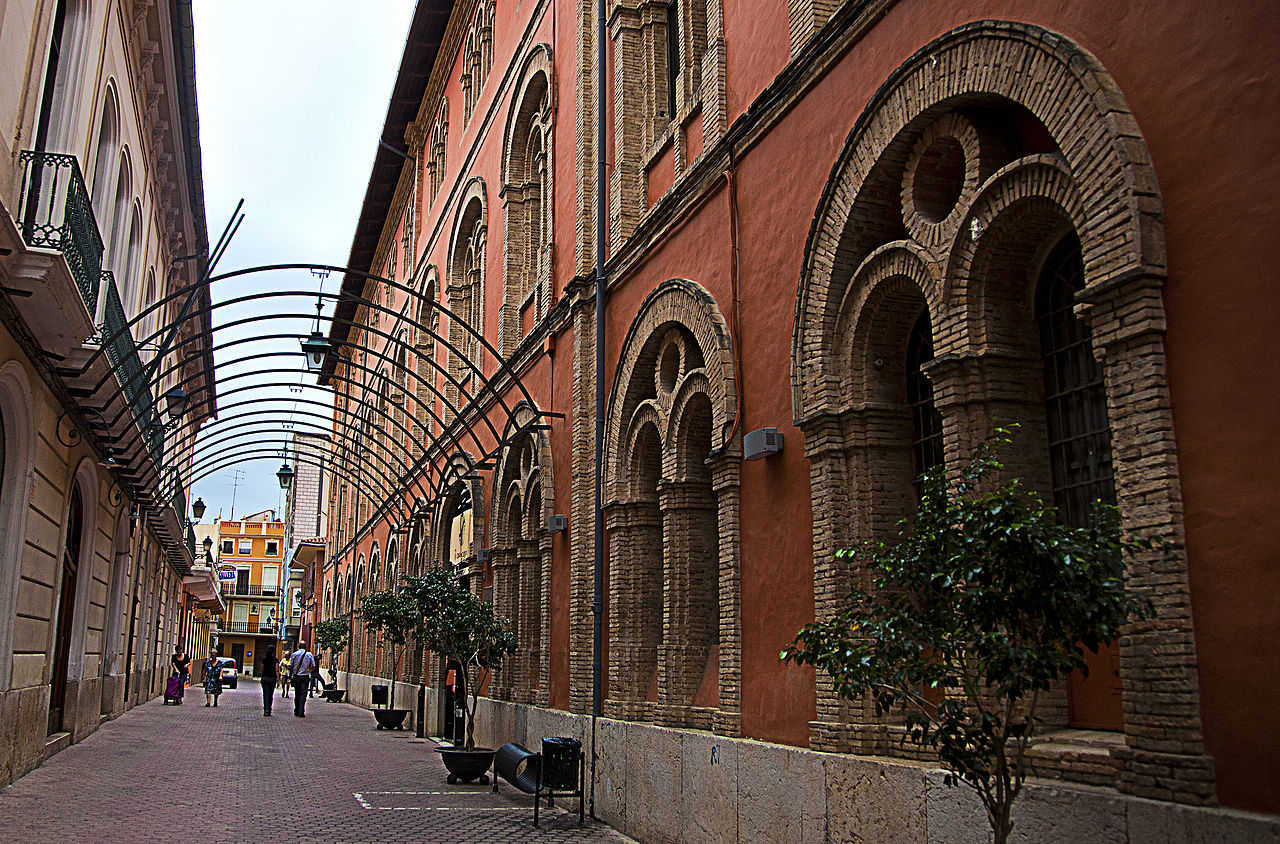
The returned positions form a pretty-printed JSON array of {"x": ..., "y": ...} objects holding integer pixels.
[
  {"x": 315, "y": 348},
  {"x": 285, "y": 476},
  {"x": 175, "y": 401},
  {"x": 208, "y": 543},
  {"x": 198, "y": 508}
]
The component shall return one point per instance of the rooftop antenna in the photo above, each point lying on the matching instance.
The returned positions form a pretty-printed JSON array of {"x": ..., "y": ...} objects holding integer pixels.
[{"x": 236, "y": 475}]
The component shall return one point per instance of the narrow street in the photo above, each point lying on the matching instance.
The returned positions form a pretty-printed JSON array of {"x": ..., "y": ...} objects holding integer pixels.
[{"x": 161, "y": 773}]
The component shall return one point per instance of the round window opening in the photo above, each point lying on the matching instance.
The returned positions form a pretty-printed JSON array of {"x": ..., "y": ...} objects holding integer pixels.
[{"x": 939, "y": 178}]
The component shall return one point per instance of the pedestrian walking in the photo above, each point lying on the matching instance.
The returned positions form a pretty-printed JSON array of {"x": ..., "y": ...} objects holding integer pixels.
[
  {"x": 302, "y": 665},
  {"x": 285, "y": 677},
  {"x": 317, "y": 679},
  {"x": 212, "y": 678},
  {"x": 182, "y": 667},
  {"x": 268, "y": 679}
]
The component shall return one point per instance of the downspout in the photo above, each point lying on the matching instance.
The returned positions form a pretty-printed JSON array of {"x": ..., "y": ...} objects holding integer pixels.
[{"x": 597, "y": 601}]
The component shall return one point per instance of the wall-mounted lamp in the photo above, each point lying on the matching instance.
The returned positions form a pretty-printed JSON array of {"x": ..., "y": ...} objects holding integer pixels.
[
  {"x": 175, "y": 402},
  {"x": 198, "y": 508}
]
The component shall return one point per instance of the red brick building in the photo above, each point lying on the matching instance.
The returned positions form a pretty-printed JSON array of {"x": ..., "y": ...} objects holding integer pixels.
[{"x": 881, "y": 228}]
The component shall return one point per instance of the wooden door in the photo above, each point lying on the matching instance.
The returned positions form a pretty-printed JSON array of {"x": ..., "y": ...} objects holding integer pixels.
[{"x": 1095, "y": 700}]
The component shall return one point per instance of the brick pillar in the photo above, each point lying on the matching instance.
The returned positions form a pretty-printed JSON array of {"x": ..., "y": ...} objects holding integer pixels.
[
  {"x": 635, "y": 601},
  {"x": 832, "y": 516},
  {"x": 542, "y": 697},
  {"x": 691, "y": 588},
  {"x": 726, "y": 474},
  {"x": 582, "y": 486},
  {"x": 506, "y": 587},
  {"x": 529, "y": 610},
  {"x": 631, "y": 121},
  {"x": 1164, "y": 757}
]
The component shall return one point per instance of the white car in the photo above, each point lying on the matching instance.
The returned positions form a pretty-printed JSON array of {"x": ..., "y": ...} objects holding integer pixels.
[{"x": 229, "y": 675}]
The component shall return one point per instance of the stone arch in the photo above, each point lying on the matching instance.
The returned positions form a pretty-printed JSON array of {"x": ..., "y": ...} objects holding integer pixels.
[
  {"x": 671, "y": 481},
  {"x": 16, "y": 476},
  {"x": 990, "y": 175}
]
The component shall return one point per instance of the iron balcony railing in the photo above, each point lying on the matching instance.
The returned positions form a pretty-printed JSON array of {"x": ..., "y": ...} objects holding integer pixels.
[
  {"x": 247, "y": 627},
  {"x": 122, "y": 352},
  {"x": 55, "y": 212},
  {"x": 231, "y": 590}
]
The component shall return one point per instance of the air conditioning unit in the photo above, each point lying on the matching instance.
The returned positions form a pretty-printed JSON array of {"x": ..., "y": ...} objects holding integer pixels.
[
  {"x": 761, "y": 443},
  {"x": 557, "y": 523},
  {"x": 484, "y": 555}
]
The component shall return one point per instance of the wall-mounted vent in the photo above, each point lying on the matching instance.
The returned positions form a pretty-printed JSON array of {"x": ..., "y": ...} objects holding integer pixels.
[
  {"x": 761, "y": 443},
  {"x": 557, "y": 523}
]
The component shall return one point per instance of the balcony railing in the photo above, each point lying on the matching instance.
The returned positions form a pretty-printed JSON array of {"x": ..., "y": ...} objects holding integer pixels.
[
  {"x": 231, "y": 590},
  {"x": 55, "y": 212},
  {"x": 122, "y": 351},
  {"x": 247, "y": 627}
]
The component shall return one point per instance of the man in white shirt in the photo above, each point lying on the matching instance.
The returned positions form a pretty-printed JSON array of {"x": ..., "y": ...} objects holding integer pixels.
[{"x": 301, "y": 666}]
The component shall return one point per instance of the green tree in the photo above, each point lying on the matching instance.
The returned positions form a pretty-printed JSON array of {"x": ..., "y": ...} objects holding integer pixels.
[
  {"x": 394, "y": 616},
  {"x": 982, "y": 604},
  {"x": 463, "y": 629},
  {"x": 332, "y": 635}
]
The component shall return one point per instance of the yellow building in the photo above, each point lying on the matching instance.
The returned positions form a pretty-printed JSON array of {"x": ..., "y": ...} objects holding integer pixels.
[{"x": 250, "y": 553}]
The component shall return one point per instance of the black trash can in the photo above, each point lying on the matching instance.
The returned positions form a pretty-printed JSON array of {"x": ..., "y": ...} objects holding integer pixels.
[
  {"x": 561, "y": 757},
  {"x": 378, "y": 694}
]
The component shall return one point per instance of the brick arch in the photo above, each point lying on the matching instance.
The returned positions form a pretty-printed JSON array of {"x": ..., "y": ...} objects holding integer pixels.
[
  {"x": 459, "y": 466},
  {"x": 1087, "y": 118},
  {"x": 892, "y": 274},
  {"x": 689, "y": 305}
]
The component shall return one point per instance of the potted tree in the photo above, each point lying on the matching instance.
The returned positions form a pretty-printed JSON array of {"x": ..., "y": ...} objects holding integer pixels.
[
  {"x": 984, "y": 604},
  {"x": 332, "y": 635},
  {"x": 464, "y": 630},
  {"x": 393, "y": 616}
]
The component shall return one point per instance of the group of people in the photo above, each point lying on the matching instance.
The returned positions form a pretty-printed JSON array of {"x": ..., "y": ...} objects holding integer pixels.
[{"x": 300, "y": 669}]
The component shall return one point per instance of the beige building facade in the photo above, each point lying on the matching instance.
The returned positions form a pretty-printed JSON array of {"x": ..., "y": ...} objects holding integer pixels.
[{"x": 102, "y": 249}]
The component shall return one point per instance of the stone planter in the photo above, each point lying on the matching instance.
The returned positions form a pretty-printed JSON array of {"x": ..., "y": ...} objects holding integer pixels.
[
  {"x": 467, "y": 765},
  {"x": 390, "y": 719}
]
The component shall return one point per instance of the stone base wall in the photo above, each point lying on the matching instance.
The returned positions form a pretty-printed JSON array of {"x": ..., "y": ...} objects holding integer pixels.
[
  {"x": 360, "y": 692},
  {"x": 661, "y": 784}
]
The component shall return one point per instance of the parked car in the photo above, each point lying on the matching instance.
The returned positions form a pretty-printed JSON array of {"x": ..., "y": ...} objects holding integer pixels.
[{"x": 229, "y": 676}]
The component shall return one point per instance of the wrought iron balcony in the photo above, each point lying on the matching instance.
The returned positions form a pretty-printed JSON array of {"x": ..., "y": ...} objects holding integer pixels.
[
  {"x": 232, "y": 591},
  {"x": 122, "y": 351},
  {"x": 252, "y": 627},
  {"x": 55, "y": 212}
]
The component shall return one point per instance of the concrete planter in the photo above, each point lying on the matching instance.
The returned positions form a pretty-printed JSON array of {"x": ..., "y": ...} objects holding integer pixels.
[
  {"x": 390, "y": 719},
  {"x": 467, "y": 765}
]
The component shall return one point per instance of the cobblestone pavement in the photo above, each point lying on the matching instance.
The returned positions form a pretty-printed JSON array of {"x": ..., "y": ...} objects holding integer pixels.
[{"x": 165, "y": 773}]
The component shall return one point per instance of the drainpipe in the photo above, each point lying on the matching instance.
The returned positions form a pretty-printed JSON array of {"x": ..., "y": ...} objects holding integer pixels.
[{"x": 597, "y": 601}]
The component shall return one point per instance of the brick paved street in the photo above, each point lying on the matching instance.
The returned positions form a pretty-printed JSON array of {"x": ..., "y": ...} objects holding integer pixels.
[{"x": 148, "y": 775}]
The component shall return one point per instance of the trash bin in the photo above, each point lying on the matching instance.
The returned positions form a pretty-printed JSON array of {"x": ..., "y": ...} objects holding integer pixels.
[
  {"x": 560, "y": 762},
  {"x": 378, "y": 694}
]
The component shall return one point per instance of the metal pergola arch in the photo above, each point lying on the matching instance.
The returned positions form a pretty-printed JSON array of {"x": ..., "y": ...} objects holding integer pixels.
[{"x": 396, "y": 352}]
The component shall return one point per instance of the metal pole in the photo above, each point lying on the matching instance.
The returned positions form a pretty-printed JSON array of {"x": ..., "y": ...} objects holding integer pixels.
[{"x": 597, "y": 601}]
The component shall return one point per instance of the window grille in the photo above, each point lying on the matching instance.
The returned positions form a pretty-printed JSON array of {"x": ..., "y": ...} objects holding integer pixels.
[
  {"x": 1075, "y": 397},
  {"x": 926, "y": 422}
]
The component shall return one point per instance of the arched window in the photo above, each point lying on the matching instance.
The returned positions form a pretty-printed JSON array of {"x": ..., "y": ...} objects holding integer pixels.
[
  {"x": 64, "y": 75},
  {"x": 1075, "y": 396},
  {"x": 149, "y": 296},
  {"x": 527, "y": 204},
  {"x": 118, "y": 227},
  {"x": 128, "y": 282},
  {"x": 66, "y": 610},
  {"x": 105, "y": 158},
  {"x": 467, "y": 284},
  {"x": 436, "y": 152},
  {"x": 926, "y": 422}
]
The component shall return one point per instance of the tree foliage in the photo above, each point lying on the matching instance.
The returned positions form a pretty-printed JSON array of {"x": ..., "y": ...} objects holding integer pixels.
[
  {"x": 463, "y": 629},
  {"x": 332, "y": 635},
  {"x": 983, "y": 603},
  {"x": 394, "y": 616}
]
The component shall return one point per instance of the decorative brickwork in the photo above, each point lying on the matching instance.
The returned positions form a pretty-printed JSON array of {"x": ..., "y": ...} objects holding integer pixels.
[
  {"x": 522, "y": 560},
  {"x": 980, "y": 207},
  {"x": 581, "y": 536},
  {"x": 528, "y": 200},
  {"x": 435, "y": 151},
  {"x": 672, "y": 514},
  {"x": 427, "y": 317}
]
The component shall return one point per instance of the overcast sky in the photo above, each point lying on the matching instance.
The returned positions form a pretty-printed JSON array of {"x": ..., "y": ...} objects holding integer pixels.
[{"x": 292, "y": 96}]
